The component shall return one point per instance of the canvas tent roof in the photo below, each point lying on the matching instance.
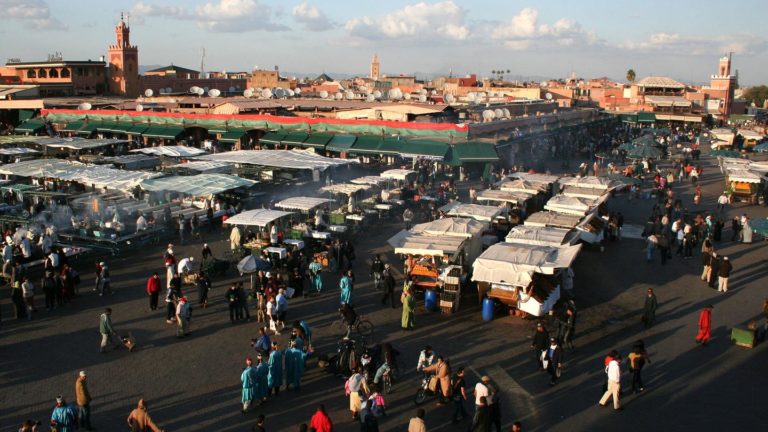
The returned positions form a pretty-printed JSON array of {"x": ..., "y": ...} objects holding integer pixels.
[
  {"x": 535, "y": 177},
  {"x": 369, "y": 180},
  {"x": 302, "y": 203},
  {"x": 397, "y": 174},
  {"x": 572, "y": 205},
  {"x": 599, "y": 183},
  {"x": 198, "y": 185},
  {"x": 542, "y": 236},
  {"x": 546, "y": 218},
  {"x": 456, "y": 227},
  {"x": 580, "y": 192},
  {"x": 171, "y": 151},
  {"x": 16, "y": 151},
  {"x": 475, "y": 211},
  {"x": 98, "y": 175},
  {"x": 204, "y": 166},
  {"x": 406, "y": 242},
  {"x": 76, "y": 143},
  {"x": 520, "y": 185},
  {"x": 501, "y": 262},
  {"x": 258, "y": 217},
  {"x": 344, "y": 188},
  {"x": 503, "y": 196},
  {"x": 288, "y": 159},
  {"x": 744, "y": 176}
]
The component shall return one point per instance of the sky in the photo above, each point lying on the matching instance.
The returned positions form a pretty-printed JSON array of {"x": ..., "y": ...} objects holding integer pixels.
[{"x": 682, "y": 39}]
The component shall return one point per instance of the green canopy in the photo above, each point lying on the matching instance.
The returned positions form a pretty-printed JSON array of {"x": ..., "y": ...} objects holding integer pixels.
[
  {"x": 424, "y": 149},
  {"x": 88, "y": 128},
  {"x": 626, "y": 146},
  {"x": 644, "y": 152},
  {"x": 295, "y": 139},
  {"x": 165, "y": 132},
  {"x": 369, "y": 145},
  {"x": 645, "y": 140},
  {"x": 137, "y": 129},
  {"x": 341, "y": 143},
  {"x": 72, "y": 126},
  {"x": 273, "y": 138},
  {"x": 646, "y": 117},
  {"x": 30, "y": 126},
  {"x": 725, "y": 153},
  {"x": 474, "y": 151},
  {"x": 318, "y": 140},
  {"x": 107, "y": 126},
  {"x": 232, "y": 136},
  {"x": 759, "y": 226},
  {"x": 762, "y": 147}
]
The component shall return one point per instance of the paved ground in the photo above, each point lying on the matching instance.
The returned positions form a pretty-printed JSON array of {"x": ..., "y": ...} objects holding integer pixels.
[{"x": 193, "y": 384}]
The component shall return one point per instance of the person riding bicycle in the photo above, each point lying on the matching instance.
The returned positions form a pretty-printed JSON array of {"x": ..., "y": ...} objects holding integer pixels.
[
  {"x": 388, "y": 361},
  {"x": 377, "y": 267},
  {"x": 426, "y": 358},
  {"x": 350, "y": 317}
]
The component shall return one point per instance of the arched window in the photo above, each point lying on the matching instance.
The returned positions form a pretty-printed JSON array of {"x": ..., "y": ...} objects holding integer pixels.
[
  {"x": 53, "y": 73},
  {"x": 31, "y": 74},
  {"x": 65, "y": 73},
  {"x": 42, "y": 74}
]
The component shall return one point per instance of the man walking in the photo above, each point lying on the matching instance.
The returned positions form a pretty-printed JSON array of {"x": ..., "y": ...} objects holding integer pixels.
[
  {"x": 106, "y": 330},
  {"x": 554, "y": 360},
  {"x": 539, "y": 343},
  {"x": 64, "y": 416},
  {"x": 705, "y": 326},
  {"x": 459, "y": 396},
  {"x": 613, "y": 371},
  {"x": 203, "y": 286},
  {"x": 408, "y": 218},
  {"x": 388, "y": 280},
  {"x": 153, "y": 290},
  {"x": 83, "y": 397},
  {"x": 106, "y": 286},
  {"x": 183, "y": 314},
  {"x": 377, "y": 267},
  {"x": 233, "y": 301},
  {"x": 706, "y": 260},
  {"x": 723, "y": 273},
  {"x": 345, "y": 287},
  {"x": 649, "y": 310},
  {"x": 248, "y": 378}
]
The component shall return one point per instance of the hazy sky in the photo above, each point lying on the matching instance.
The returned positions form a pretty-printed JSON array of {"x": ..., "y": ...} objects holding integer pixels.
[{"x": 679, "y": 38}]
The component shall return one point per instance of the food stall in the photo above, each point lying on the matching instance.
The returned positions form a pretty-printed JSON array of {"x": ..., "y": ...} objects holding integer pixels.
[
  {"x": 592, "y": 228},
  {"x": 262, "y": 219},
  {"x": 722, "y": 137},
  {"x": 573, "y": 205},
  {"x": 481, "y": 213},
  {"x": 542, "y": 236},
  {"x": 426, "y": 254},
  {"x": 308, "y": 206},
  {"x": 552, "y": 219},
  {"x": 505, "y": 198},
  {"x": 744, "y": 185},
  {"x": 524, "y": 277},
  {"x": 751, "y": 138}
]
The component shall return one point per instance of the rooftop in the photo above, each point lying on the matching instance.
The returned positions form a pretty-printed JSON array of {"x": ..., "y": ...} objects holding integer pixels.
[
  {"x": 59, "y": 63},
  {"x": 178, "y": 70},
  {"x": 658, "y": 81}
]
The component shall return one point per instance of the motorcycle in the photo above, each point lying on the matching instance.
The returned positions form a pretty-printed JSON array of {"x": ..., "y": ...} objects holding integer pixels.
[{"x": 429, "y": 388}]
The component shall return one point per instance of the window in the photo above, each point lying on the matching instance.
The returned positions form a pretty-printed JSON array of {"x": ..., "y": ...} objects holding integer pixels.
[
  {"x": 65, "y": 73},
  {"x": 53, "y": 73},
  {"x": 31, "y": 74},
  {"x": 42, "y": 74},
  {"x": 79, "y": 71}
]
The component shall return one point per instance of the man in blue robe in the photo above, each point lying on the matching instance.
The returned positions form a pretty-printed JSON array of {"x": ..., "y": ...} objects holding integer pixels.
[
  {"x": 315, "y": 269},
  {"x": 248, "y": 378},
  {"x": 262, "y": 379},
  {"x": 64, "y": 416},
  {"x": 345, "y": 285},
  {"x": 275, "y": 369},
  {"x": 294, "y": 366}
]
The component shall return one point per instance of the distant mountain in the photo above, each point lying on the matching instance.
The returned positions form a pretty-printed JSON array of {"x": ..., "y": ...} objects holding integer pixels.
[{"x": 144, "y": 68}]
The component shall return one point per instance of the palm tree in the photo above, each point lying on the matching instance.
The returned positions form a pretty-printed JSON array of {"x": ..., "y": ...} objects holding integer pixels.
[{"x": 631, "y": 75}]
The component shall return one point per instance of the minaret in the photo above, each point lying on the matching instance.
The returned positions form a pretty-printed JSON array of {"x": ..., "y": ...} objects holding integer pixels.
[
  {"x": 375, "y": 68},
  {"x": 726, "y": 83},
  {"x": 123, "y": 63}
]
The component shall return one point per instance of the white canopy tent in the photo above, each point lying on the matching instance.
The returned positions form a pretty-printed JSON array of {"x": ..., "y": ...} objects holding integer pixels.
[
  {"x": 198, "y": 185},
  {"x": 97, "y": 175},
  {"x": 302, "y": 203},
  {"x": 504, "y": 196},
  {"x": 551, "y": 219},
  {"x": 535, "y": 177},
  {"x": 599, "y": 183},
  {"x": 410, "y": 243},
  {"x": 542, "y": 236},
  {"x": 258, "y": 217},
  {"x": 286, "y": 159},
  {"x": 744, "y": 176},
  {"x": 397, "y": 174},
  {"x": 573, "y": 205},
  {"x": 502, "y": 262},
  {"x": 457, "y": 227},
  {"x": 171, "y": 151},
  {"x": 205, "y": 167},
  {"x": 344, "y": 188},
  {"x": 75, "y": 143},
  {"x": 17, "y": 151},
  {"x": 369, "y": 180},
  {"x": 580, "y": 192},
  {"x": 524, "y": 186},
  {"x": 475, "y": 211}
]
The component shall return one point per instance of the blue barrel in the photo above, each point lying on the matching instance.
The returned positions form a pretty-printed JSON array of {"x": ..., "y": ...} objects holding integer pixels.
[
  {"x": 430, "y": 300},
  {"x": 487, "y": 309}
]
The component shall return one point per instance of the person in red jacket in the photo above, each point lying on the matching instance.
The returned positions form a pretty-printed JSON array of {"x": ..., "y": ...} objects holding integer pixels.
[
  {"x": 153, "y": 289},
  {"x": 320, "y": 421},
  {"x": 705, "y": 325}
]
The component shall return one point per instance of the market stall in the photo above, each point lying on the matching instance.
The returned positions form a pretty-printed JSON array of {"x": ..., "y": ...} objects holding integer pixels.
[
  {"x": 573, "y": 205},
  {"x": 542, "y": 236},
  {"x": 482, "y": 213}
]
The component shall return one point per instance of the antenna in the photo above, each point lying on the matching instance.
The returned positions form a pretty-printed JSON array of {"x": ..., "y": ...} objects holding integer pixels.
[{"x": 202, "y": 64}]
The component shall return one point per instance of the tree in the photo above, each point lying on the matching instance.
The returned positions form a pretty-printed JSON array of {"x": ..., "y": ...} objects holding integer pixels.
[
  {"x": 756, "y": 94},
  {"x": 631, "y": 75}
]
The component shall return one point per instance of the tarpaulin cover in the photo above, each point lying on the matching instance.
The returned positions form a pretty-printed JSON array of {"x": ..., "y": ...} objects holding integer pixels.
[
  {"x": 289, "y": 159},
  {"x": 397, "y": 174},
  {"x": 503, "y": 196},
  {"x": 535, "y": 177},
  {"x": 525, "y": 186},
  {"x": 15, "y": 151},
  {"x": 98, "y": 175},
  {"x": 258, "y": 217},
  {"x": 456, "y": 227},
  {"x": 572, "y": 205},
  {"x": 541, "y": 236},
  {"x": 75, "y": 143},
  {"x": 600, "y": 183},
  {"x": 581, "y": 192},
  {"x": 744, "y": 176},
  {"x": 198, "y": 185},
  {"x": 204, "y": 166},
  {"x": 344, "y": 188},
  {"x": 501, "y": 262},
  {"x": 406, "y": 242},
  {"x": 369, "y": 180},
  {"x": 552, "y": 219},
  {"x": 302, "y": 203},
  {"x": 172, "y": 151}
]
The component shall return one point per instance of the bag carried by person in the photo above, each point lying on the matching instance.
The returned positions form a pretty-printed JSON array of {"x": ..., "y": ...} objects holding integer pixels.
[{"x": 347, "y": 390}]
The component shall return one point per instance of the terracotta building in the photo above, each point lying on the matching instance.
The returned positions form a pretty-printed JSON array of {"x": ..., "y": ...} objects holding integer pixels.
[
  {"x": 123, "y": 63},
  {"x": 58, "y": 77}
]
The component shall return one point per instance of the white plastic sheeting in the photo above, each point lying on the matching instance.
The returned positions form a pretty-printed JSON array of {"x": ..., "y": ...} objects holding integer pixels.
[
  {"x": 572, "y": 205},
  {"x": 744, "y": 176},
  {"x": 288, "y": 159},
  {"x": 171, "y": 151},
  {"x": 206, "y": 167},
  {"x": 258, "y": 217},
  {"x": 97, "y": 175},
  {"x": 369, "y": 180},
  {"x": 580, "y": 192},
  {"x": 344, "y": 188},
  {"x": 600, "y": 183},
  {"x": 503, "y": 196},
  {"x": 475, "y": 211},
  {"x": 502, "y": 262},
  {"x": 535, "y": 177},
  {"x": 397, "y": 174},
  {"x": 551, "y": 219},
  {"x": 456, "y": 227},
  {"x": 542, "y": 236},
  {"x": 75, "y": 143},
  {"x": 302, "y": 203},
  {"x": 198, "y": 185},
  {"x": 17, "y": 151},
  {"x": 520, "y": 185},
  {"x": 406, "y": 242}
]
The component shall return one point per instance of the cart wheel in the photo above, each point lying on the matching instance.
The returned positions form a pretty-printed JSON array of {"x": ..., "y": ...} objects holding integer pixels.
[
  {"x": 365, "y": 328},
  {"x": 421, "y": 396}
]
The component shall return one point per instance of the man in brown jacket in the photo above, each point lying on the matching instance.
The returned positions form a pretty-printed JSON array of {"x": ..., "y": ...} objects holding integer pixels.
[
  {"x": 442, "y": 371},
  {"x": 83, "y": 397},
  {"x": 139, "y": 420}
]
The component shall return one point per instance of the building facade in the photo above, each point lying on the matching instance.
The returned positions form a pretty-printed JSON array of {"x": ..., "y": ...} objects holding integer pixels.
[{"x": 123, "y": 63}]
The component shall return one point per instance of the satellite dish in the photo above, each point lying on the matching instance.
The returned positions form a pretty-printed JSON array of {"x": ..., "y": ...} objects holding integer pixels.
[
  {"x": 507, "y": 113},
  {"x": 291, "y": 93},
  {"x": 297, "y": 91},
  {"x": 449, "y": 98},
  {"x": 548, "y": 96},
  {"x": 370, "y": 98},
  {"x": 407, "y": 96},
  {"x": 338, "y": 96},
  {"x": 214, "y": 93},
  {"x": 232, "y": 89},
  {"x": 324, "y": 94},
  {"x": 85, "y": 106},
  {"x": 279, "y": 92},
  {"x": 205, "y": 89},
  {"x": 376, "y": 94},
  {"x": 422, "y": 98},
  {"x": 148, "y": 92},
  {"x": 488, "y": 115},
  {"x": 139, "y": 107},
  {"x": 423, "y": 92},
  {"x": 200, "y": 91},
  {"x": 266, "y": 93},
  {"x": 434, "y": 92},
  {"x": 498, "y": 113},
  {"x": 349, "y": 94},
  {"x": 193, "y": 89},
  {"x": 248, "y": 93}
]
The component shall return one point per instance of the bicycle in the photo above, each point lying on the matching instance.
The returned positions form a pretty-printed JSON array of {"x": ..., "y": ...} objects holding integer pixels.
[
  {"x": 362, "y": 326},
  {"x": 393, "y": 374}
]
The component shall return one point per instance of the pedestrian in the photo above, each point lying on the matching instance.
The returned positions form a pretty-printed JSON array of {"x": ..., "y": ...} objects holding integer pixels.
[
  {"x": 613, "y": 371},
  {"x": 539, "y": 344},
  {"x": 275, "y": 377},
  {"x": 182, "y": 227},
  {"x": 735, "y": 228},
  {"x": 248, "y": 379},
  {"x": 28, "y": 292},
  {"x": 569, "y": 328},
  {"x": 320, "y": 421},
  {"x": 233, "y": 301},
  {"x": 442, "y": 371},
  {"x": 169, "y": 260},
  {"x": 388, "y": 282},
  {"x": 706, "y": 261},
  {"x": 722, "y": 201},
  {"x": 195, "y": 225},
  {"x": 281, "y": 301},
  {"x": 262, "y": 378},
  {"x": 408, "y": 218},
  {"x": 49, "y": 290},
  {"x": 481, "y": 422},
  {"x": 64, "y": 416},
  {"x": 553, "y": 360},
  {"x": 723, "y": 273},
  {"x": 183, "y": 315},
  {"x": 346, "y": 287},
  {"x": 97, "y": 271},
  {"x": 242, "y": 304},
  {"x": 358, "y": 389},
  {"x": 416, "y": 424},
  {"x": 259, "y": 426},
  {"x": 517, "y": 427},
  {"x": 459, "y": 396},
  {"x": 7, "y": 259},
  {"x": 649, "y": 309},
  {"x": 139, "y": 419},
  {"x": 294, "y": 366},
  {"x": 106, "y": 282},
  {"x": 714, "y": 263},
  {"x": 172, "y": 295},
  {"x": 705, "y": 325},
  {"x": 637, "y": 360},
  {"x": 203, "y": 287},
  {"x": 409, "y": 306},
  {"x": 107, "y": 331},
  {"x": 17, "y": 294},
  {"x": 315, "y": 271},
  {"x": 153, "y": 289},
  {"x": 377, "y": 267},
  {"x": 83, "y": 397}
]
